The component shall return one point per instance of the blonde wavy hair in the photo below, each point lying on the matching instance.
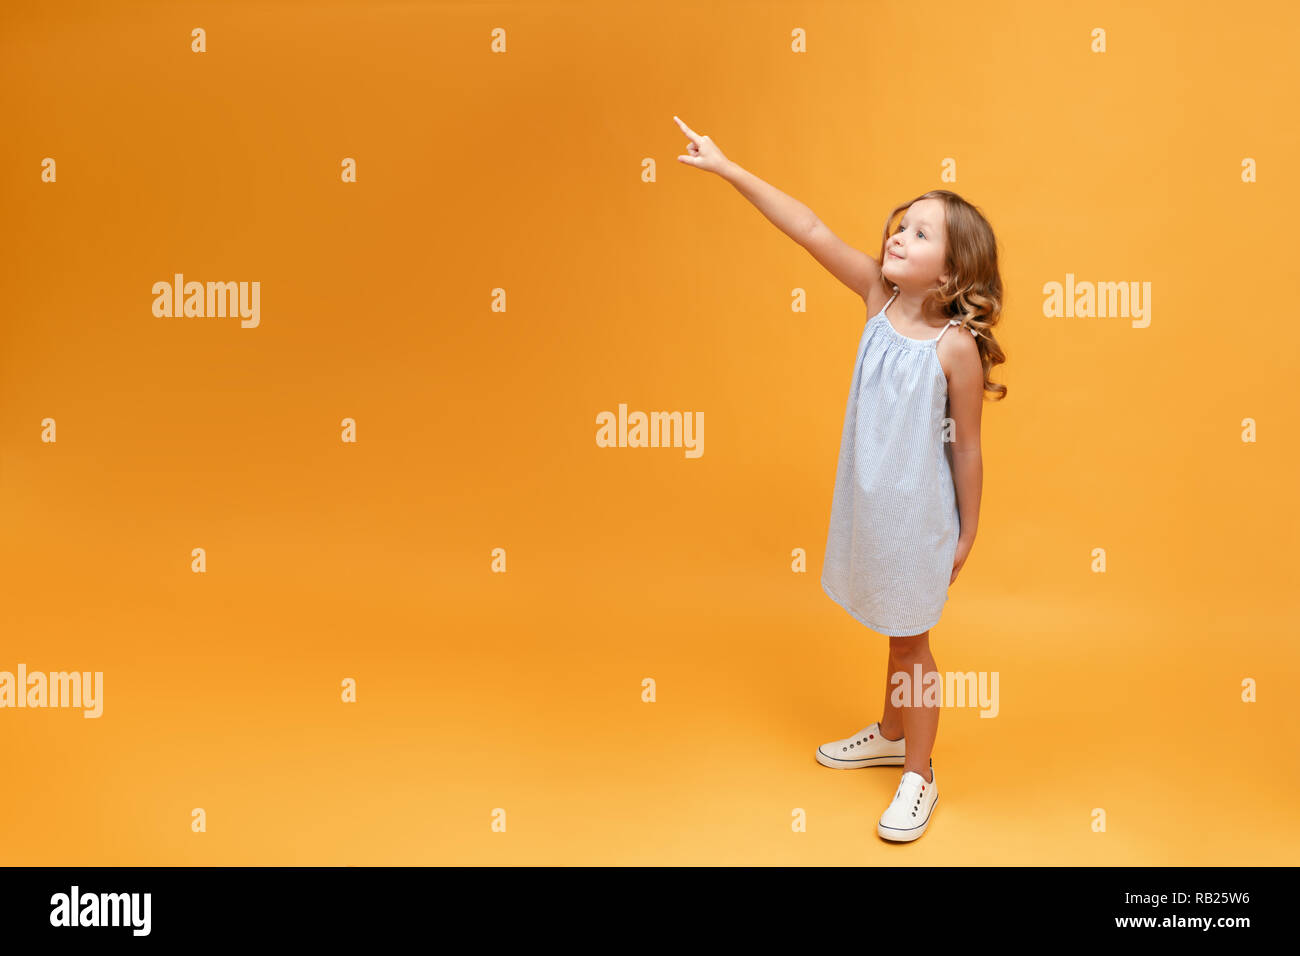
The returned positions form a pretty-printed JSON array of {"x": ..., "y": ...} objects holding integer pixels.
[{"x": 973, "y": 292}]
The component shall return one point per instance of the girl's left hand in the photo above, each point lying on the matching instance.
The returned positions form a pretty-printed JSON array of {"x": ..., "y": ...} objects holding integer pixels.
[{"x": 963, "y": 549}]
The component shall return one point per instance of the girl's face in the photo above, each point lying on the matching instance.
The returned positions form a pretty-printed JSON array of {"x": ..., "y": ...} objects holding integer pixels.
[{"x": 915, "y": 253}]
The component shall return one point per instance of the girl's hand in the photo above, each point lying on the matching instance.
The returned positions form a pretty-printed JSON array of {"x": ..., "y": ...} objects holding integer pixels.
[
  {"x": 963, "y": 549},
  {"x": 702, "y": 153}
]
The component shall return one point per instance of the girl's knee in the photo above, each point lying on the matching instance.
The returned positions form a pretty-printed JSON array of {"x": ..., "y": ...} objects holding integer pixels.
[{"x": 914, "y": 646}]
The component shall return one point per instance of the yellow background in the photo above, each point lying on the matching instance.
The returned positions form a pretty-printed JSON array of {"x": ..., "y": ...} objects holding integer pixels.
[{"x": 476, "y": 430}]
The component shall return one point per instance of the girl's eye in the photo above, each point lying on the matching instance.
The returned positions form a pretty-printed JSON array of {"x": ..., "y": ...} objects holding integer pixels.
[{"x": 918, "y": 232}]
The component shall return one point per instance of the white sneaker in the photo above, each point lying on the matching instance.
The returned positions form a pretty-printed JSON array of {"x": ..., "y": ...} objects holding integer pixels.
[
  {"x": 907, "y": 817},
  {"x": 866, "y": 748}
]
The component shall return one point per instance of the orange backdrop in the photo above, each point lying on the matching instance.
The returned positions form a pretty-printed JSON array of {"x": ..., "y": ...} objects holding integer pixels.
[{"x": 658, "y": 286}]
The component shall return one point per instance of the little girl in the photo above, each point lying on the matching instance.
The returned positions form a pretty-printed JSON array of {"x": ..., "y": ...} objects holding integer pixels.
[{"x": 907, "y": 485}]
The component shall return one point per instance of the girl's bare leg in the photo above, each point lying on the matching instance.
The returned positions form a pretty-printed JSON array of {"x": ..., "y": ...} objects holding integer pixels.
[{"x": 919, "y": 724}]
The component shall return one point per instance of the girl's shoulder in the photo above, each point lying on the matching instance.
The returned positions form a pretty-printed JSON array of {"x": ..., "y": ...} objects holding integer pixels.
[{"x": 876, "y": 298}]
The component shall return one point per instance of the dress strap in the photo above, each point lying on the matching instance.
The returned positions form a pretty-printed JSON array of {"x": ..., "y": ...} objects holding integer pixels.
[{"x": 951, "y": 323}]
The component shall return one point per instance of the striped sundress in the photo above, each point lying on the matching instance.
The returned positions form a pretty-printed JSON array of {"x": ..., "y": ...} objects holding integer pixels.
[{"x": 894, "y": 521}]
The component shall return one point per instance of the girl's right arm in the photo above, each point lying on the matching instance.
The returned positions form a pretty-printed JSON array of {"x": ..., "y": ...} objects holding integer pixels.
[{"x": 857, "y": 270}]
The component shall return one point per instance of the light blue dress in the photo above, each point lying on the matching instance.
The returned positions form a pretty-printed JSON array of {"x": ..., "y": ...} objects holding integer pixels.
[{"x": 894, "y": 521}]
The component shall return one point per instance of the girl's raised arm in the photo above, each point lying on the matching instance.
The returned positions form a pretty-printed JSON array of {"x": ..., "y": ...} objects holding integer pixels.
[{"x": 853, "y": 267}]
